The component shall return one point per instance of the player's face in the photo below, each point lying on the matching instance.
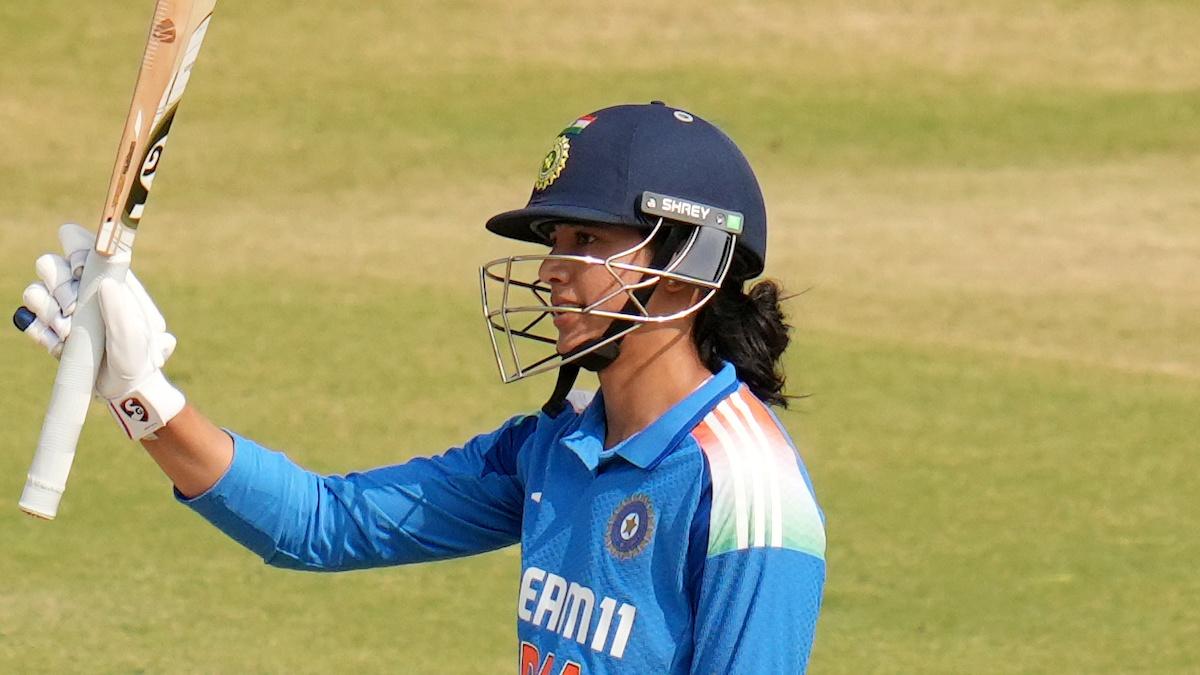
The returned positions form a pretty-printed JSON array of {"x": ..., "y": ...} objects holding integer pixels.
[{"x": 579, "y": 284}]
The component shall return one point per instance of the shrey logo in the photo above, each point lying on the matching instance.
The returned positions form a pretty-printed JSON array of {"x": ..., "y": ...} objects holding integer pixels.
[
  {"x": 134, "y": 409},
  {"x": 630, "y": 527},
  {"x": 164, "y": 31}
]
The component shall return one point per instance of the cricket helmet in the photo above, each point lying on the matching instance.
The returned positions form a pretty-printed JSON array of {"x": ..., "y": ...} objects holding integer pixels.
[{"x": 656, "y": 168}]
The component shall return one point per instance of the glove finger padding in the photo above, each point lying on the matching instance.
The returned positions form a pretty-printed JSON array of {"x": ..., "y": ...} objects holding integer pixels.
[
  {"x": 77, "y": 243},
  {"x": 55, "y": 273},
  {"x": 39, "y": 300},
  {"x": 44, "y": 336},
  {"x": 52, "y": 301}
]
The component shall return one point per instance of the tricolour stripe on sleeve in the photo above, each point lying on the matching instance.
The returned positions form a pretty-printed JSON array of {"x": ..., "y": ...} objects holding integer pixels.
[
  {"x": 729, "y": 532},
  {"x": 760, "y": 498}
]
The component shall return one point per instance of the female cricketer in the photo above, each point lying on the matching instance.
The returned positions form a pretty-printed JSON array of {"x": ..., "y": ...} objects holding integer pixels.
[{"x": 667, "y": 524}]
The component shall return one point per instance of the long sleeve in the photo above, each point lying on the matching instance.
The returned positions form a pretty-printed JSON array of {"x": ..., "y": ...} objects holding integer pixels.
[
  {"x": 757, "y": 611},
  {"x": 757, "y": 553},
  {"x": 467, "y": 500}
]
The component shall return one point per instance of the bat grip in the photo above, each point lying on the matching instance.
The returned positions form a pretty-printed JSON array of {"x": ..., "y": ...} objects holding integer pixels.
[{"x": 72, "y": 393}]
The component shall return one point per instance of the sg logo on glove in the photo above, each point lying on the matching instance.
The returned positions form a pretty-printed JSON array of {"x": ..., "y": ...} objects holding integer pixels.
[{"x": 134, "y": 409}]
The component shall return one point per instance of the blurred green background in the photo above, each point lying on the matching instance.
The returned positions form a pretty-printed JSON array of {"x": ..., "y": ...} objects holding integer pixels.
[{"x": 992, "y": 207}]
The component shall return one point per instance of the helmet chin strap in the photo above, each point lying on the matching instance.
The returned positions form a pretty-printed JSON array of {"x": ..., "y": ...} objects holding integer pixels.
[
  {"x": 603, "y": 357},
  {"x": 595, "y": 361}
]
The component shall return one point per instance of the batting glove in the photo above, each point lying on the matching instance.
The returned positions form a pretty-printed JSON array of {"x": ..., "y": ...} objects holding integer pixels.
[{"x": 137, "y": 343}]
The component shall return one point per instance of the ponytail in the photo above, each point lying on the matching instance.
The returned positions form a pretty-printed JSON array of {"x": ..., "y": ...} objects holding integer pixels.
[{"x": 748, "y": 330}]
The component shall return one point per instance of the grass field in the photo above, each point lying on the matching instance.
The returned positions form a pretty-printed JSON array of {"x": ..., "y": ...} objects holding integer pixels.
[{"x": 993, "y": 208}]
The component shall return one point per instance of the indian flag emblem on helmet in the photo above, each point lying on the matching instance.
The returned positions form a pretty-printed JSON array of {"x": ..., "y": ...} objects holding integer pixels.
[
  {"x": 579, "y": 125},
  {"x": 553, "y": 164}
]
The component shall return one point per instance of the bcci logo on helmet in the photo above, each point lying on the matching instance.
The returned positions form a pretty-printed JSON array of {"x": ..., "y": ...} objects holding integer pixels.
[
  {"x": 554, "y": 163},
  {"x": 630, "y": 527}
]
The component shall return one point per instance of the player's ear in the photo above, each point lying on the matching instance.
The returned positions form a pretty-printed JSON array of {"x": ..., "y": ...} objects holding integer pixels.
[
  {"x": 677, "y": 295},
  {"x": 675, "y": 286}
]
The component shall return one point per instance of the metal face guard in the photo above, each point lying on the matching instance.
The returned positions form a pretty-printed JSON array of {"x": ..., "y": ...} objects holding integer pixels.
[{"x": 516, "y": 302}]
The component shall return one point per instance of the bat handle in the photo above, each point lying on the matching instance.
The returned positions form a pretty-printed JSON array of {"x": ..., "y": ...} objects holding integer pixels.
[{"x": 72, "y": 393}]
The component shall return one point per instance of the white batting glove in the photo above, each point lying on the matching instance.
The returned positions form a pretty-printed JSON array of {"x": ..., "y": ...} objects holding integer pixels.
[{"x": 137, "y": 343}]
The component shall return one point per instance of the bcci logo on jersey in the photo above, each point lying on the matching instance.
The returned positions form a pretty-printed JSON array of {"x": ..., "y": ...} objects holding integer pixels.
[{"x": 630, "y": 527}]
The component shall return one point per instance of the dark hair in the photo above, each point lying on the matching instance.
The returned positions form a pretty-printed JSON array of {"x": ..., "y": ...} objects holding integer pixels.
[{"x": 748, "y": 330}]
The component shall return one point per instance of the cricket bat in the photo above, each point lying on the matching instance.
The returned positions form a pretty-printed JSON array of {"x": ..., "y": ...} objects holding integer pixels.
[{"x": 176, "y": 33}]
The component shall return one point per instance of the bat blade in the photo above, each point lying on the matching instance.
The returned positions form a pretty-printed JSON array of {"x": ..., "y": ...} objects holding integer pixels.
[
  {"x": 177, "y": 31},
  {"x": 176, "y": 34}
]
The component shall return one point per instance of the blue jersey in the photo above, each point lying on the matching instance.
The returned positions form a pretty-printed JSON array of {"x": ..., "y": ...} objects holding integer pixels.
[{"x": 695, "y": 546}]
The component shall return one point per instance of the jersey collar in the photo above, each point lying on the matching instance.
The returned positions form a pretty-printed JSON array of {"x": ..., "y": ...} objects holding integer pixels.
[{"x": 648, "y": 447}]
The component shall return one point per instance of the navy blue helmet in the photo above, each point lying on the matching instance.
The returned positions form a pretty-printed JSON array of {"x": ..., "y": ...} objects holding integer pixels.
[
  {"x": 600, "y": 167},
  {"x": 652, "y": 167}
]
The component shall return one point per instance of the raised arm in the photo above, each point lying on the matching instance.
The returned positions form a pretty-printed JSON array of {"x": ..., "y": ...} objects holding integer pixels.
[
  {"x": 192, "y": 451},
  {"x": 464, "y": 501},
  {"x": 467, "y": 500}
]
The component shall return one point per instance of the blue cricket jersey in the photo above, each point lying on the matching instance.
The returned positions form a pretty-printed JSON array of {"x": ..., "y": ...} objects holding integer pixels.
[{"x": 695, "y": 546}]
